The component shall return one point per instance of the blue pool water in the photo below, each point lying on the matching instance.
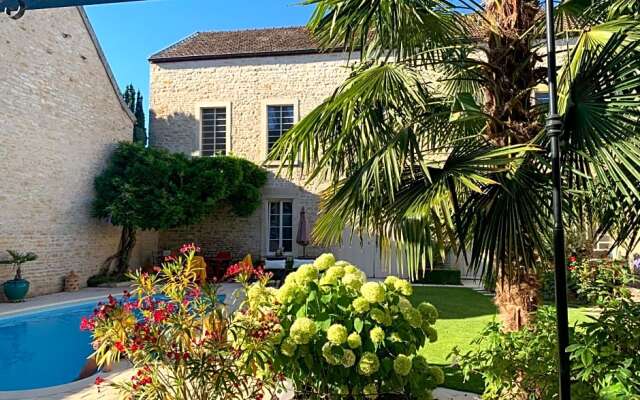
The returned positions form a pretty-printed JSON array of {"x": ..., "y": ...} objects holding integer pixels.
[{"x": 44, "y": 348}]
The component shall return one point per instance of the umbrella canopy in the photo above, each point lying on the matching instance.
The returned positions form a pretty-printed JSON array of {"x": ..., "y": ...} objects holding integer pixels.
[{"x": 302, "y": 238}]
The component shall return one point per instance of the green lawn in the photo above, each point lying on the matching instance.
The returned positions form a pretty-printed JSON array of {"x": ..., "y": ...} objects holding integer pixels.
[{"x": 463, "y": 314}]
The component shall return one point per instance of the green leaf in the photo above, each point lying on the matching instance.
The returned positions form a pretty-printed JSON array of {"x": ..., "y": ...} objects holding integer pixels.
[{"x": 358, "y": 324}]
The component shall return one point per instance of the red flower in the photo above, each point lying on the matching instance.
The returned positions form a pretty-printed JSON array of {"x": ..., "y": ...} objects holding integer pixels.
[
  {"x": 572, "y": 259},
  {"x": 120, "y": 347},
  {"x": 87, "y": 324},
  {"x": 188, "y": 248},
  {"x": 171, "y": 308},
  {"x": 159, "y": 315},
  {"x": 99, "y": 380},
  {"x": 195, "y": 292}
]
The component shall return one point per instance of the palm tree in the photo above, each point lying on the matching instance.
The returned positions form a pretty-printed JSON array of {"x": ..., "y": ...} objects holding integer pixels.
[{"x": 436, "y": 142}]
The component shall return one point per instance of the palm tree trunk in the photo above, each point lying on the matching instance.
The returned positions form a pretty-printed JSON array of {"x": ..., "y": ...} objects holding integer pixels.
[{"x": 517, "y": 299}]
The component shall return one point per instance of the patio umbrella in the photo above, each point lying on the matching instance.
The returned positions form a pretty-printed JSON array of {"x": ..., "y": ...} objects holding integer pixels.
[{"x": 302, "y": 238}]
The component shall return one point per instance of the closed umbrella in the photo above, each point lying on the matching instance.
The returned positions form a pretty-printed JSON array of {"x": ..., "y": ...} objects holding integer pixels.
[{"x": 302, "y": 238}]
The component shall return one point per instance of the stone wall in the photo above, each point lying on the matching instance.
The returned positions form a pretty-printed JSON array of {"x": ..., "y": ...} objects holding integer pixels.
[
  {"x": 61, "y": 117},
  {"x": 246, "y": 86}
]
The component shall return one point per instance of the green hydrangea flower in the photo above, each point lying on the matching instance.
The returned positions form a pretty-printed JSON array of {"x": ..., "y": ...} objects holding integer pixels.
[
  {"x": 350, "y": 269},
  {"x": 403, "y": 287},
  {"x": 373, "y": 292},
  {"x": 428, "y": 311},
  {"x": 287, "y": 293},
  {"x": 404, "y": 305},
  {"x": 377, "y": 335},
  {"x": 352, "y": 281},
  {"x": 327, "y": 280},
  {"x": 368, "y": 364},
  {"x": 306, "y": 274},
  {"x": 420, "y": 364},
  {"x": 337, "y": 334},
  {"x": 332, "y": 276},
  {"x": 390, "y": 282},
  {"x": 290, "y": 278},
  {"x": 288, "y": 347},
  {"x": 354, "y": 340},
  {"x": 432, "y": 334},
  {"x": 324, "y": 261},
  {"x": 348, "y": 358},
  {"x": 402, "y": 365},
  {"x": 360, "y": 305},
  {"x": 437, "y": 374},
  {"x": 302, "y": 330},
  {"x": 336, "y": 271},
  {"x": 328, "y": 355},
  {"x": 380, "y": 316},
  {"x": 413, "y": 317},
  {"x": 370, "y": 391}
]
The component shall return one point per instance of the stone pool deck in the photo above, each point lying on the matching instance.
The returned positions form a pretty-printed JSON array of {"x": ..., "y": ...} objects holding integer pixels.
[{"x": 86, "y": 389}]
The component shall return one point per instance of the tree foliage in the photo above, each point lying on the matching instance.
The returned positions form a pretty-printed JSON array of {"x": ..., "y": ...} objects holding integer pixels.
[
  {"x": 152, "y": 189},
  {"x": 435, "y": 142},
  {"x": 135, "y": 101}
]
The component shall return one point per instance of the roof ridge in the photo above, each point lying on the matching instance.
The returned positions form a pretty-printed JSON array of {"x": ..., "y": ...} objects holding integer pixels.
[
  {"x": 176, "y": 44},
  {"x": 273, "y": 28}
]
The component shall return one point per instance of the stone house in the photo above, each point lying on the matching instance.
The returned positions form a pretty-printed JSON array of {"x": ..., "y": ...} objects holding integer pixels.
[
  {"x": 237, "y": 93},
  {"x": 61, "y": 116}
]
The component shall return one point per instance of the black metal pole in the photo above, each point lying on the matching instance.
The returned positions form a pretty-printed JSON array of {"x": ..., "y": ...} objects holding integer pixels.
[{"x": 554, "y": 128}]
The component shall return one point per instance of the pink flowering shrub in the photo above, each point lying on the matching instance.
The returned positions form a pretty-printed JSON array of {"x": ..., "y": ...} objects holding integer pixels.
[{"x": 180, "y": 339}]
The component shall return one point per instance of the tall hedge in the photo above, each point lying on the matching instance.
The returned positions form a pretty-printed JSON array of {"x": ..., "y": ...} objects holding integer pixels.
[{"x": 152, "y": 189}]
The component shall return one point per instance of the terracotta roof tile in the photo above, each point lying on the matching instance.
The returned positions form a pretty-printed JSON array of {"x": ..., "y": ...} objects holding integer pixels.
[{"x": 233, "y": 44}]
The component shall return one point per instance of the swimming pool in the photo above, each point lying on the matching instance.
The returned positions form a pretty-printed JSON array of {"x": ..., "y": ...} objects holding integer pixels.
[{"x": 43, "y": 348}]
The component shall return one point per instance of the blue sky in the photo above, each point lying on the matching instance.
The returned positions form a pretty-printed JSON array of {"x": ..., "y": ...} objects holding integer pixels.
[{"x": 130, "y": 32}]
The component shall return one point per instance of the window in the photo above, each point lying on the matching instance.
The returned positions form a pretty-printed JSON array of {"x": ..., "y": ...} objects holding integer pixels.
[
  {"x": 213, "y": 131},
  {"x": 280, "y": 119},
  {"x": 280, "y": 226}
]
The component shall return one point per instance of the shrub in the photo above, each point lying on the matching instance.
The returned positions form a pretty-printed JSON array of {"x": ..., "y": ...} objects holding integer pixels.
[
  {"x": 604, "y": 351},
  {"x": 515, "y": 364},
  {"x": 343, "y": 336},
  {"x": 599, "y": 281},
  {"x": 605, "y": 355},
  {"x": 440, "y": 277},
  {"x": 180, "y": 340},
  {"x": 589, "y": 281}
]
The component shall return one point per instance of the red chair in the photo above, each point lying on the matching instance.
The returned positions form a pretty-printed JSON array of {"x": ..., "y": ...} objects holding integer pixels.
[{"x": 219, "y": 264}]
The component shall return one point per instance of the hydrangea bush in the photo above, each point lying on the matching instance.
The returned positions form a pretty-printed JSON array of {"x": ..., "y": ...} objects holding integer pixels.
[
  {"x": 340, "y": 336},
  {"x": 182, "y": 343}
]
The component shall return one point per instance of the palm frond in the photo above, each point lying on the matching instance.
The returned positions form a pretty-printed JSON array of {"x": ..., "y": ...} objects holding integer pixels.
[{"x": 384, "y": 28}]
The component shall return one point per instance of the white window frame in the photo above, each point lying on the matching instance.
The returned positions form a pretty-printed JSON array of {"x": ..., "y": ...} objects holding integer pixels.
[
  {"x": 267, "y": 221},
  {"x": 265, "y": 120},
  {"x": 202, "y": 105}
]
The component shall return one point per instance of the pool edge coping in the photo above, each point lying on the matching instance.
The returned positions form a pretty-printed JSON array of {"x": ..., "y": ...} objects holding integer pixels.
[
  {"x": 46, "y": 307},
  {"x": 65, "y": 388}
]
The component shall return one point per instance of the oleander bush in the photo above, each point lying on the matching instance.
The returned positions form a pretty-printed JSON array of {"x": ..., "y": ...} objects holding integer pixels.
[
  {"x": 182, "y": 343},
  {"x": 343, "y": 337}
]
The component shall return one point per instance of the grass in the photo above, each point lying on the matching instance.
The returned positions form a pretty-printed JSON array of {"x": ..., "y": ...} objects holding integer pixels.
[{"x": 463, "y": 315}]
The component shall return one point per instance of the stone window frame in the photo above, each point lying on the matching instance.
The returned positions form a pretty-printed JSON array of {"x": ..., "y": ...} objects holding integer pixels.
[
  {"x": 198, "y": 114},
  {"x": 267, "y": 224},
  {"x": 284, "y": 101}
]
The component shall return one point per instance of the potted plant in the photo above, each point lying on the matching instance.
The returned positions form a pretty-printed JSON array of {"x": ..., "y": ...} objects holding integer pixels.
[{"x": 17, "y": 288}]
